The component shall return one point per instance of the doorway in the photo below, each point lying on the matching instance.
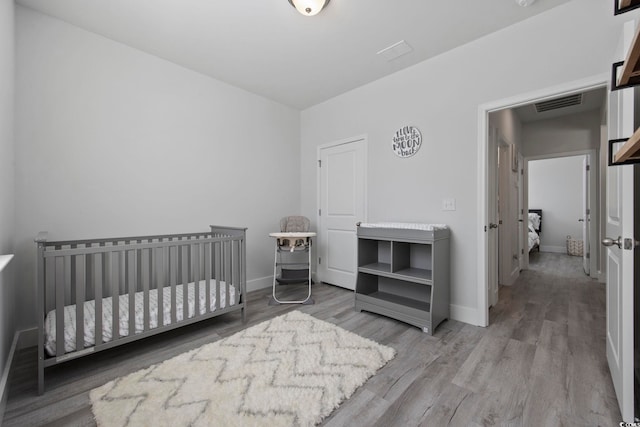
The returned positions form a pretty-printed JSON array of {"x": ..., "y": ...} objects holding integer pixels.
[
  {"x": 485, "y": 253},
  {"x": 562, "y": 190}
]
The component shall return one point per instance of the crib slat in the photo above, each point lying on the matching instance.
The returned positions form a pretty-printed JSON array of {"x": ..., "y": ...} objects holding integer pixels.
[
  {"x": 195, "y": 259},
  {"x": 144, "y": 280},
  {"x": 207, "y": 275},
  {"x": 97, "y": 268},
  {"x": 229, "y": 271},
  {"x": 217, "y": 273},
  {"x": 184, "y": 268},
  {"x": 78, "y": 279},
  {"x": 72, "y": 268},
  {"x": 59, "y": 287},
  {"x": 158, "y": 279},
  {"x": 132, "y": 287},
  {"x": 236, "y": 271},
  {"x": 113, "y": 281},
  {"x": 173, "y": 275}
]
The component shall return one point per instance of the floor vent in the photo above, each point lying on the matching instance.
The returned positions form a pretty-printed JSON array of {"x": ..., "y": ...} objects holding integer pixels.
[{"x": 563, "y": 102}]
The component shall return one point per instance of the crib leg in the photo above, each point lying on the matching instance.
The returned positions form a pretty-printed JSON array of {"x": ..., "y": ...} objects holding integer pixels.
[{"x": 40, "y": 377}]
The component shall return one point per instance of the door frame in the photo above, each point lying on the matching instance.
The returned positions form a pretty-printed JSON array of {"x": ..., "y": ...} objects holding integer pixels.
[
  {"x": 482, "y": 261},
  {"x": 344, "y": 141},
  {"x": 594, "y": 200}
]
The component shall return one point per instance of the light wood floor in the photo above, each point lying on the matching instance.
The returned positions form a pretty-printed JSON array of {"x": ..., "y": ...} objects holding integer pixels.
[{"x": 540, "y": 362}]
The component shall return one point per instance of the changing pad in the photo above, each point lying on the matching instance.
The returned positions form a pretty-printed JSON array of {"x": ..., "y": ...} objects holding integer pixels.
[{"x": 404, "y": 225}]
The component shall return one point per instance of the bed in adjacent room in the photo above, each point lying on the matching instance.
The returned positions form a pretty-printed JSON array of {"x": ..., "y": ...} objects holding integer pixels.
[{"x": 534, "y": 228}]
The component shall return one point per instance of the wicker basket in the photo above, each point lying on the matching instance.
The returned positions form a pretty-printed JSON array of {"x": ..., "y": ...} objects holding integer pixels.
[{"x": 575, "y": 247}]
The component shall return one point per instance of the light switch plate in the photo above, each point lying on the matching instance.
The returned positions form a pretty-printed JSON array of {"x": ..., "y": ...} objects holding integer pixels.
[{"x": 448, "y": 204}]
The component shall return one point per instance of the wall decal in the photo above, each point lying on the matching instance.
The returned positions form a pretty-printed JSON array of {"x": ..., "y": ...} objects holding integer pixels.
[{"x": 406, "y": 141}]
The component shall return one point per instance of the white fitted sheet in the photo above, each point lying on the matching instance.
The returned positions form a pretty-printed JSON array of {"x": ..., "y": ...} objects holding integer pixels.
[{"x": 107, "y": 314}]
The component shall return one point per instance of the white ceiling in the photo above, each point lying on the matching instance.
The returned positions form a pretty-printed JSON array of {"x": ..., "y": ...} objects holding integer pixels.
[{"x": 268, "y": 48}]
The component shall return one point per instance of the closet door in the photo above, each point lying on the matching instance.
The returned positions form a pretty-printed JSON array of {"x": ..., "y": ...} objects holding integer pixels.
[{"x": 342, "y": 189}]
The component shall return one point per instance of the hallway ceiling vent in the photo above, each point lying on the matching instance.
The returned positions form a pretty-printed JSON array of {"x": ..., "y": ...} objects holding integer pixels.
[{"x": 554, "y": 104}]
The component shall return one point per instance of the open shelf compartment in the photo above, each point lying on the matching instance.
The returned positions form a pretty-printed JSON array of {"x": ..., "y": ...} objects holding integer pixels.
[{"x": 374, "y": 256}]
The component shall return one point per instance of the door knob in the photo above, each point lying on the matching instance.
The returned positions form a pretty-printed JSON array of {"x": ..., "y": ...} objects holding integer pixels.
[
  {"x": 492, "y": 225},
  {"x": 608, "y": 241},
  {"x": 581, "y": 220}
]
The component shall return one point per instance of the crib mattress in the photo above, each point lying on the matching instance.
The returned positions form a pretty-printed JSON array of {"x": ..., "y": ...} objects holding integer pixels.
[{"x": 107, "y": 314}]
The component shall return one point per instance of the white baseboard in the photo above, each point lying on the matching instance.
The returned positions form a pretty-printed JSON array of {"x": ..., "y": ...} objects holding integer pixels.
[
  {"x": 259, "y": 283},
  {"x": 267, "y": 282},
  {"x": 4, "y": 380},
  {"x": 555, "y": 249},
  {"x": 28, "y": 338},
  {"x": 463, "y": 314}
]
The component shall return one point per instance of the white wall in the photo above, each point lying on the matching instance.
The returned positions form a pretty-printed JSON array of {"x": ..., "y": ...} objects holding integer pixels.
[
  {"x": 555, "y": 186},
  {"x": 441, "y": 96},
  {"x": 112, "y": 141},
  {"x": 7, "y": 196},
  {"x": 576, "y": 132}
]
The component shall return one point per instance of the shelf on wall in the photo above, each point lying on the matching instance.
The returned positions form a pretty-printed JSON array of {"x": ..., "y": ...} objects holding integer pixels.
[
  {"x": 630, "y": 73},
  {"x": 622, "y": 6},
  {"x": 629, "y": 153}
]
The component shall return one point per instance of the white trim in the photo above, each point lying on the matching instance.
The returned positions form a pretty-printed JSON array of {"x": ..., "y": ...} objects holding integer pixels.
[
  {"x": 463, "y": 314},
  {"x": 4, "y": 381},
  {"x": 568, "y": 88},
  {"x": 591, "y": 151},
  {"x": 4, "y": 260},
  {"x": 554, "y": 249},
  {"x": 28, "y": 338},
  {"x": 259, "y": 283}
]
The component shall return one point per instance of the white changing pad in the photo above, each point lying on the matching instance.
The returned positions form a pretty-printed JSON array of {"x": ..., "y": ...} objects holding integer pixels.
[
  {"x": 405, "y": 225},
  {"x": 107, "y": 314}
]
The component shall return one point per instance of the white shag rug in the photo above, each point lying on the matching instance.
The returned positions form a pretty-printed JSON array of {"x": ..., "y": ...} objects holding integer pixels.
[{"x": 293, "y": 370}]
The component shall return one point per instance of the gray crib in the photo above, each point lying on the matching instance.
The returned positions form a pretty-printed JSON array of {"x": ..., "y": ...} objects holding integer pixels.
[{"x": 100, "y": 293}]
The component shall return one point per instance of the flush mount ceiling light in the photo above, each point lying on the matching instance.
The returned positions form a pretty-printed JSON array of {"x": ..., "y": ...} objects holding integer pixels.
[{"x": 309, "y": 7}]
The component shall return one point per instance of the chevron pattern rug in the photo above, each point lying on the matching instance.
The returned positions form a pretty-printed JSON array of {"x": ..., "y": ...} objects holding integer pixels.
[{"x": 293, "y": 370}]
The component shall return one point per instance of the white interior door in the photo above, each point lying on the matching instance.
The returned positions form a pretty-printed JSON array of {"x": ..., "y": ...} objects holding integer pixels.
[
  {"x": 522, "y": 218},
  {"x": 342, "y": 191},
  {"x": 514, "y": 224},
  {"x": 585, "y": 215},
  {"x": 619, "y": 260},
  {"x": 508, "y": 236},
  {"x": 492, "y": 228}
]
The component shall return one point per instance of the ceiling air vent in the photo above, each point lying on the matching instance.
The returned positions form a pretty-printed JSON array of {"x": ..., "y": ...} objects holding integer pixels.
[{"x": 554, "y": 104}]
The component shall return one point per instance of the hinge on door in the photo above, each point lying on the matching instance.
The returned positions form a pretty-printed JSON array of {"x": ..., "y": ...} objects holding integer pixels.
[
  {"x": 588, "y": 255},
  {"x": 319, "y": 163},
  {"x": 319, "y": 212},
  {"x": 522, "y": 251},
  {"x": 588, "y": 211},
  {"x": 319, "y": 260},
  {"x": 588, "y": 167}
]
